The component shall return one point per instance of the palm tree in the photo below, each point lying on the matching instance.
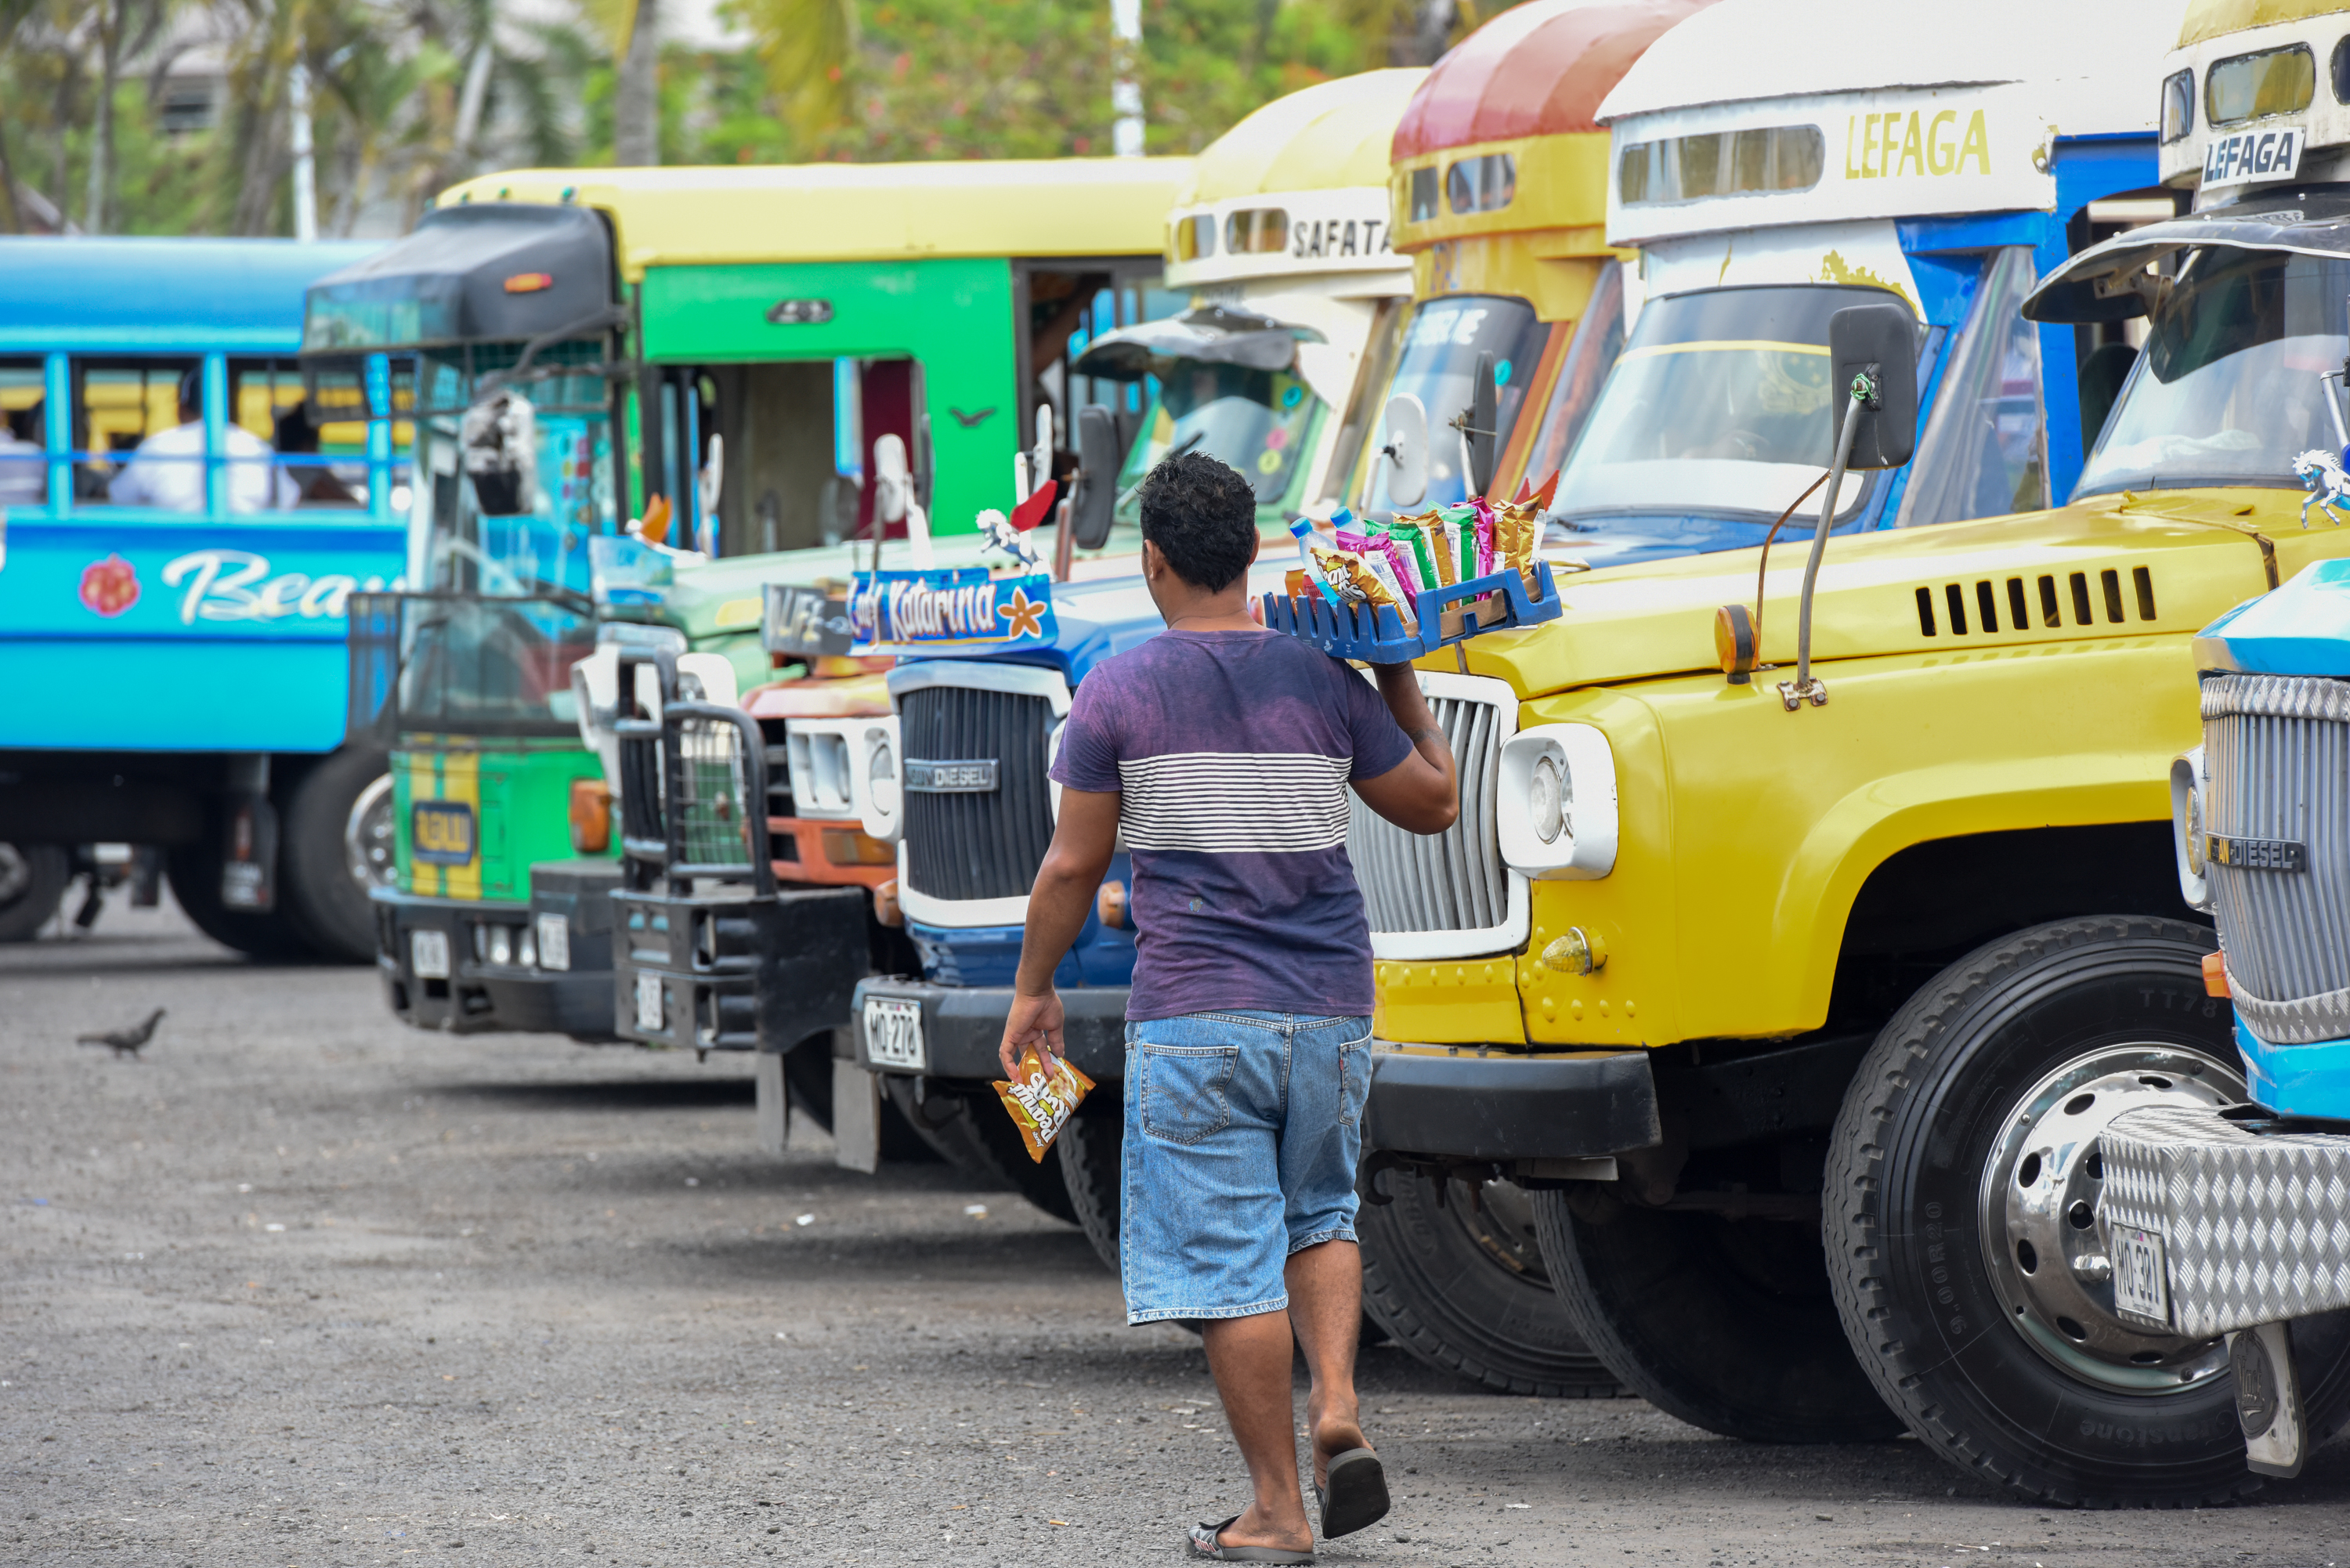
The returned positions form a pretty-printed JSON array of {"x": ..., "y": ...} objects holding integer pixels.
[{"x": 809, "y": 50}]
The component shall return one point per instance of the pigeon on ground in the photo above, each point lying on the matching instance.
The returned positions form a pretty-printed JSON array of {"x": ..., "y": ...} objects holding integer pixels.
[{"x": 125, "y": 1042}]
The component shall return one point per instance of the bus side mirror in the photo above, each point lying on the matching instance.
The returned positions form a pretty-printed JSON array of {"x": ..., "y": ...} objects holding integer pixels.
[
  {"x": 1098, "y": 466},
  {"x": 893, "y": 482},
  {"x": 1874, "y": 351},
  {"x": 1478, "y": 436},
  {"x": 499, "y": 440},
  {"x": 1405, "y": 447}
]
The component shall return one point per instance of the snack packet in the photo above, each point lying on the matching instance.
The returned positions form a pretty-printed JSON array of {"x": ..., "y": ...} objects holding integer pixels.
[
  {"x": 1444, "y": 544},
  {"x": 1513, "y": 535},
  {"x": 1413, "y": 538},
  {"x": 1484, "y": 539},
  {"x": 1385, "y": 547},
  {"x": 1337, "y": 570},
  {"x": 1380, "y": 585},
  {"x": 1042, "y": 1103}
]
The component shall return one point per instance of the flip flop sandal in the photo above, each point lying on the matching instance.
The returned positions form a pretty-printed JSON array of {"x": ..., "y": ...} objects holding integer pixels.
[
  {"x": 1206, "y": 1541},
  {"x": 1355, "y": 1496}
]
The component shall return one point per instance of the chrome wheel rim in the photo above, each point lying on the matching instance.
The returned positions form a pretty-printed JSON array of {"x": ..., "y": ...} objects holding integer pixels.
[
  {"x": 369, "y": 838},
  {"x": 2037, "y": 1216},
  {"x": 1501, "y": 1225}
]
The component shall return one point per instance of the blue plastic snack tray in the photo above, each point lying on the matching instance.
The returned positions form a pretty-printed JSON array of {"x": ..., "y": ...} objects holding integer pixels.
[{"x": 1375, "y": 634}]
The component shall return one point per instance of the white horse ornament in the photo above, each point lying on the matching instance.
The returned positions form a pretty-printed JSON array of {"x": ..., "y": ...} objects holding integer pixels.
[{"x": 2321, "y": 474}]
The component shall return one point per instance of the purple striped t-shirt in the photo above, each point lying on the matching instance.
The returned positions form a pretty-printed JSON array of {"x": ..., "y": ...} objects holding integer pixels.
[{"x": 1230, "y": 753}]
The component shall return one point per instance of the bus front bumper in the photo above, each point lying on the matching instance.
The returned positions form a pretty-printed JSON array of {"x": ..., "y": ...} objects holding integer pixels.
[
  {"x": 734, "y": 971},
  {"x": 463, "y": 965},
  {"x": 1440, "y": 1102}
]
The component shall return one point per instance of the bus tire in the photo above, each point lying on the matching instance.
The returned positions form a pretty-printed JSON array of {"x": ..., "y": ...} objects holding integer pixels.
[
  {"x": 1726, "y": 1324},
  {"x": 319, "y": 839},
  {"x": 1964, "y": 1165},
  {"x": 977, "y": 1138},
  {"x": 1464, "y": 1290},
  {"x": 33, "y": 879},
  {"x": 1091, "y": 1149},
  {"x": 194, "y": 872}
]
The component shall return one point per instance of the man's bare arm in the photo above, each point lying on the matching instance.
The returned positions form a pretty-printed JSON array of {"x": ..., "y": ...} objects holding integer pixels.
[
  {"x": 1083, "y": 842},
  {"x": 1422, "y": 793}
]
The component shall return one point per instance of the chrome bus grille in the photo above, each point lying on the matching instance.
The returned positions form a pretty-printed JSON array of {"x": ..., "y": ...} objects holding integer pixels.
[
  {"x": 2277, "y": 759},
  {"x": 1454, "y": 880},
  {"x": 979, "y": 844}
]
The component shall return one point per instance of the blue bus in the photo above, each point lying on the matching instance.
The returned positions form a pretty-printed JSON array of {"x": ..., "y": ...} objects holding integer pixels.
[{"x": 182, "y": 516}]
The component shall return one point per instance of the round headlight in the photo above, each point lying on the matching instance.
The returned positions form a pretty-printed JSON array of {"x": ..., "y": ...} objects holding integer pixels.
[
  {"x": 882, "y": 781},
  {"x": 1547, "y": 799},
  {"x": 2195, "y": 833}
]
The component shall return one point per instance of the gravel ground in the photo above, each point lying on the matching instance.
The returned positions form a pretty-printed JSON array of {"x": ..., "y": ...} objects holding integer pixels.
[{"x": 302, "y": 1287}]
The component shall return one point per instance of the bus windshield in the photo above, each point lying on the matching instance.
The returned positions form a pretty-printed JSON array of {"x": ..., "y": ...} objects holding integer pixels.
[
  {"x": 2226, "y": 391},
  {"x": 1256, "y": 421},
  {"x": 1719, "y": 407},
  {"x": 1441, "y": 344}
]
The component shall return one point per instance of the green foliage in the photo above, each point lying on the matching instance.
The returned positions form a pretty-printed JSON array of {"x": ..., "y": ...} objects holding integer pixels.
[{"x": 837, "y": 80}]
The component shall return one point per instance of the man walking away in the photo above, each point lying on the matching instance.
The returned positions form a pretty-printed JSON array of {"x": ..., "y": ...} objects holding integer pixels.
[{"x": 1225, "y": 752}]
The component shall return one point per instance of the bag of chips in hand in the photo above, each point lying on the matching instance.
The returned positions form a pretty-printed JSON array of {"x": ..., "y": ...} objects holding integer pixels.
[{"x": 1042, "y": 1103}]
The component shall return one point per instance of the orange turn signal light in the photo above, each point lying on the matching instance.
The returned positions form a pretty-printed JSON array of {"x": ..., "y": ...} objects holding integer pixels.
[
  {"x": 529, "y": 281},
  {"x": 1112, "y": 906},
  {"x": 1733, "y": 642},
  {"x": 591, "y": 816},
  {"x": 844, "y": 846},
  {"x": 2215, "y": 974},
  {"x": 885, "y": 905}
]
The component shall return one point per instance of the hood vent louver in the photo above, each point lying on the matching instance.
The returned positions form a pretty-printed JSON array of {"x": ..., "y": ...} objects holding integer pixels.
[{"x": 1962, "y": 610}]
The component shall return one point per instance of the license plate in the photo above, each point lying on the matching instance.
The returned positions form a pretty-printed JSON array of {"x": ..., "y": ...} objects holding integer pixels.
[
  {"x": 2140, "y": 1288},
  {"x": 554, "y": 942},
  {"x": 893, "y": 1033},
  {"x": 428, "y": 955},
  {"x": 441, "y": 832},
  {"x": 650, "y": 1013}
]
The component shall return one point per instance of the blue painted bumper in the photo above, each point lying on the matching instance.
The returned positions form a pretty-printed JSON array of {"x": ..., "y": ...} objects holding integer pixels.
[{"x": 2298, "y": 1080}]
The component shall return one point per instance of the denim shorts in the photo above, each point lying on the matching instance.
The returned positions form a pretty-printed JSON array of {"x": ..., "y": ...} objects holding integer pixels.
[{"x": 1242, "y": 1130}]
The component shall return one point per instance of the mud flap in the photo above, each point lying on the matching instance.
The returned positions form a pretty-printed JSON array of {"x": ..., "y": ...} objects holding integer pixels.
[
  {"x": 2267, "y": 1400},
  {"x": 774, "y": 1101},
  {"x": 855, "y": 1118}
]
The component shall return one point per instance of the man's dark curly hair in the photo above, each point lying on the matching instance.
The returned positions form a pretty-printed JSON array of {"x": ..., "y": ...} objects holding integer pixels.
[{"x": 1202, "y": 516}]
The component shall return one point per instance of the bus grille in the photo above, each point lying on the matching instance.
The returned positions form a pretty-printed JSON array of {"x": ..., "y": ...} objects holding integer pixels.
[
  {"x": 1454, "y": 880},
  {"x": 2277, "y": 756},
  {"x": 983, "y": 843}
]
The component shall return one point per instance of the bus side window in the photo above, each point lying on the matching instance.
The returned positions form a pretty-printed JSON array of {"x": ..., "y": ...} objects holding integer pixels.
[
  {"x": 118, "y": 405},
  {"x": 24, "y": 472},
  {"x": 1982, "y": 451},
  {"x": 267, "y": 400},
  {"x": 798, "y": 439}
]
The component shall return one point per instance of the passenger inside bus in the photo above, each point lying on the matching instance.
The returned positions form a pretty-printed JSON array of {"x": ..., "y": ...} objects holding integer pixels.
[
  {"x": 24, "y": 476},
  {"x": 315, "y": 483},
  {"x": 167, "y": 471}
]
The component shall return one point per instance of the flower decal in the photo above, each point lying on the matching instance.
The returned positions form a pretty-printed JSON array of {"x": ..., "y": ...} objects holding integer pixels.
[
  {"x": 109, "y": 587},
  {"x": 1027, "y": 617}
]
